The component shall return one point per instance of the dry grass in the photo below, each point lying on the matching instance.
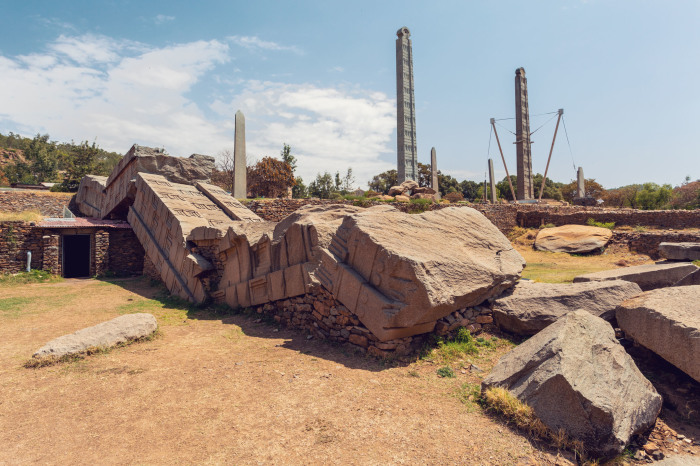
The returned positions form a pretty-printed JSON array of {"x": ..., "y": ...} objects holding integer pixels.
[
  {"x": 523, "y": 416},
  {"x": 559, "y": 267},
  {"x": 24, "y": 216}
]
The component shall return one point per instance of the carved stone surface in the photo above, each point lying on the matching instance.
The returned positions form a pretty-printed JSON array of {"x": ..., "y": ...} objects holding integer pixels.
[
  {"x": 398, "y": 273},
  {"x": 666, "y": 321},
  {"x": 407, "y": 152},
  {"x": 522, "y": 137}
]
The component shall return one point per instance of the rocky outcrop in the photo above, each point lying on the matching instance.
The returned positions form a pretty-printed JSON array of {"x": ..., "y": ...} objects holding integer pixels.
[
  {"x": 666, "y": 321},
  {"x": 577, "y": 377},
  {"x": 573, "y": 239},
  {"x": 529, "y": 307},
  {"x": 647, "y": 276},
  {"x": 105, "y": 335},
  {"x": 680, "y": 251}
]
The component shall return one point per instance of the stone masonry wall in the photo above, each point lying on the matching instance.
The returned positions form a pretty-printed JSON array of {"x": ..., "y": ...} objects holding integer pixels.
[
  {"x": 508, "y": 216},
  {"x": 319, "y": 314},
  {"x": 16, "y": 238},
  {"x": 126, "y": 255},
  {"x": 49, "y": 204}
]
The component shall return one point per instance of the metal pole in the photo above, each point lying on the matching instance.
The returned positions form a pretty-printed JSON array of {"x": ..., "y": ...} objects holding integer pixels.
[
  {"x": 544, "y": 178},
  {"x": 512, "y": 191}
]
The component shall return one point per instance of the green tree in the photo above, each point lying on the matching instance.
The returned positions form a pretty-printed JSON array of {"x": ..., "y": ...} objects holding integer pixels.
[
  {"x": 43, "y": 159},
  {"x": 286, "y": 154},
  {"x": 593, "y": 189},
  {"x": 82, "y": 160},
  {"x": 384, "y": 181},
  {"x": 470, "y": 190},
  {"x": 323, "y": 186},
  {"x": 552, "y": 189},
  {"x": 299, "y": 190},
  {"x": 653, "y": 197},
  {"x": 447, "y": 184},
  {"x": 504, "y": 187}
]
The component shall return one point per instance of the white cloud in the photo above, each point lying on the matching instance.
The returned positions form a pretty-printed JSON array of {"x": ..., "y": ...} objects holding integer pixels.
[
  {"x": 120, "y": 93},
  {"x": 328, "y": 129},
  {"x": 160, "y": 19},
  {"x": 255, "y": 43}
]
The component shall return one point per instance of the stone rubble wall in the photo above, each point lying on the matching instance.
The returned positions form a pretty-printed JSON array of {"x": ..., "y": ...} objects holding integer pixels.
[
  {"x": 324, "y": 318},
  {"x": 49, "y": 204},
  {"x": 16, "y": 238},
  {"x": 648, "y": 242},
  {"x": 535, "y": 216},
  {"x": 126, "y": 255}
]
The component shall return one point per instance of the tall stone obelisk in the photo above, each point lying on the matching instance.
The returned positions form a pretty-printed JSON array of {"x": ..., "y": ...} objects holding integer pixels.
[
  {"x": 581, "y": 183},
  {"x": 492, "y": 182},
  {"x": 407, "y": 158},
  {"x": 522, "y": 137},
  {"x": 240, "y": 189},
  {"x": 434, "y": 183}
]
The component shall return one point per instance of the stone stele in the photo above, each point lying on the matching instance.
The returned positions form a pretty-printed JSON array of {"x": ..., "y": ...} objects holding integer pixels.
[
  {"x": 529, "y": 306},
  {"x": 577, "y": 377},
  {"x": 105, "y": 335},
  {"x": 666, "y": 321},
  {"x": 647, "y": 276},
  {"x": 574, "y": 239}
]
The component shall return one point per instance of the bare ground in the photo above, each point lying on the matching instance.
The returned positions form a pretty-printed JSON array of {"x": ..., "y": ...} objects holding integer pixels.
[
  {"x": 225, "y": 390},
  {"x": 232, "y": 389}
]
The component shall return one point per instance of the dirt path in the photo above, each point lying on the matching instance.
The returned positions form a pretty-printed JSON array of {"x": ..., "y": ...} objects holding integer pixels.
[{"x": 218, "y": 391}]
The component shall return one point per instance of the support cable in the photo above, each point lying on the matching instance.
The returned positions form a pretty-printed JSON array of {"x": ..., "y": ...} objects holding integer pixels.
[
  {"x": 543, "y": 124},
  {"x": 569, "y": 144}
]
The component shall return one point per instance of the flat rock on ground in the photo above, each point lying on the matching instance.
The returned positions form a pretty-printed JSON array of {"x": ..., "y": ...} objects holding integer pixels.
[
  {"x": 666, "y": 321},
  {"x": 529, "y": 307},
  {"x": 577, "y": 377},
  {"x": 647, "y": 276},
  {"x": 680, "y": 251},
  {"x": 105, "y": 335},
  {"x": 574, "y": 239}
]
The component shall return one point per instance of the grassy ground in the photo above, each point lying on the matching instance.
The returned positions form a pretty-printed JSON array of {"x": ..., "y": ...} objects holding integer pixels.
[{"x": 24, "y": 216}]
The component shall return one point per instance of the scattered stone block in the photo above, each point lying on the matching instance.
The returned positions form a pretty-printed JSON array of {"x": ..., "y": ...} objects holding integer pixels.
[
  {"x": 693, "y": 278},
  {"x": 573, "y": 239},
  {"x": 667, "y": 322},
  {"x": 577, "y": 377},
  {"x": 121, "y": 329},
  {"x": 529, "y": 307},
  {"x": 647, "y": 276},
  {"x": 680, "y": 251}
]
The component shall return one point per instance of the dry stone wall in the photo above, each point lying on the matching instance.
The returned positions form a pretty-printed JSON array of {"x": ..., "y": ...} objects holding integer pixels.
[
  {"x": 49, "y": 204},
  {"x": 16, "y": 238},
  {"x": 126, "y": 255},
  {"x": 648, "y": 242}
]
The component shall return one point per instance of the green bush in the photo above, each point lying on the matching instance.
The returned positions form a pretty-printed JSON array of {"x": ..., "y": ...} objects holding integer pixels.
[
  {"x": 593, "y": 223},
  {"x": 445, "y": 371}
]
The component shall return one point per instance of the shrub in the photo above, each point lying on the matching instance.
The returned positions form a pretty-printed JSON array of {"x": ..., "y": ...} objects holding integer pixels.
[
  {"x": 593, "y": 223},
  {"x": 445, "y": 371},
  {"x": 454, "y": 197}
]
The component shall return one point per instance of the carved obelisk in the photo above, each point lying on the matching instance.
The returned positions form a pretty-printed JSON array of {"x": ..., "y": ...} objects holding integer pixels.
[
  {"x": 492, "y": 182},
  {"x": 240, "y": 189},
  {"x": 581, "y": 188},
  {"x": 434, "y": 183},
  {"x": 522, "y": 137},
  {"x": 407, "y": 158}
]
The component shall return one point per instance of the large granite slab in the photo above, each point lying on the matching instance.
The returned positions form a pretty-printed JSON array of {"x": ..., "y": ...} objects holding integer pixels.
[{"x": 647, "y": 276}]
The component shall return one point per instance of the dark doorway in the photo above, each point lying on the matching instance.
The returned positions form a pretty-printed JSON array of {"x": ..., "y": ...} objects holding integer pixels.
[{"x": 76, "y": 256}]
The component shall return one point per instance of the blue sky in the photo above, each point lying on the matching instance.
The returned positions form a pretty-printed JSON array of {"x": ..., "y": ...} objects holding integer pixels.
[{"x": 320, "y": 76}]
